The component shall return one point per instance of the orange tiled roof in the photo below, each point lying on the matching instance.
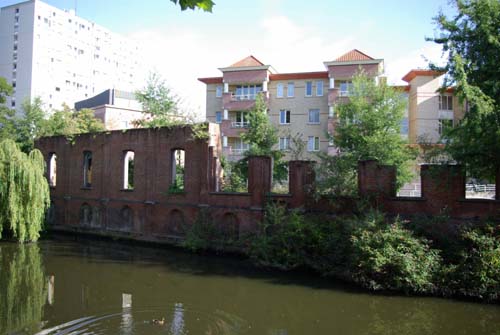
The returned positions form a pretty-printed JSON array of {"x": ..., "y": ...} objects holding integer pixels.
[
  {"x": 248, "y": 61},
  {"x": 352, "y": 56},
  {"x": 419, "y": 72}
]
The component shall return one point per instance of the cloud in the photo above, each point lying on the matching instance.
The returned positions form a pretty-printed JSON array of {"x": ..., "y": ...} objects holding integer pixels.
[{"x": 396, "y": 68}]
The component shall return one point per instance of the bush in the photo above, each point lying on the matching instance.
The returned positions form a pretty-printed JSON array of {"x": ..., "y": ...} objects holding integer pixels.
[
  {"x": 390, "y": 257},
  {"x": 281, "y": 239},
  {"x": 477, "y": 273}
]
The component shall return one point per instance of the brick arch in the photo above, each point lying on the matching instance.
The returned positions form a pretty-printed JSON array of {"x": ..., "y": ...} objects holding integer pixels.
[
  {"x": 126, "y": 218},
  {"x": 229, "y": 226},
  {"x": 176, "y": 223},
  {"x": 85, "y": 215}
]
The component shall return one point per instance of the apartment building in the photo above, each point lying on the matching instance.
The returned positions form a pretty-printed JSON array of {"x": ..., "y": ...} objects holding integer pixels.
[
  {"x": 430, "y": 110},
  {"x": 299, "y": 103},
  {"x": 62, "y": 58}
]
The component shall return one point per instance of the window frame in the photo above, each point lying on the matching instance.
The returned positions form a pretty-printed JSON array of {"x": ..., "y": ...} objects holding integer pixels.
[
  {"x": 280, "y": 90},
  {"x": 218, "y": 91},
  {"x": 286, "y": 143},
  {"x": 313, "y": 147},
  {"x": 319, "y": 84},
  {"x": 308, "y": 89},
  {"x": 287, "y": 116},
  {"x": 309, "y": 116},
  {"x": 217, "y": 120},
  {"x": 290, "y": 93}
]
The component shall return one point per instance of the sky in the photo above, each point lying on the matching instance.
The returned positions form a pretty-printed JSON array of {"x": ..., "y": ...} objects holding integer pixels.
[{"x": 290, "y": 35}]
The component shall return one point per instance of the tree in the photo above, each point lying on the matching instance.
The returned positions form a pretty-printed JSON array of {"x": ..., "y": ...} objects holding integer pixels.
[
  {"x": 29, "y": 125},
  {"x": 160, "y": 105},
  {"x": 205, "y": 5},
  {"x": 24, "y": 192},
  {"x": 368, "y": 127},
  {"x": 472, "y": 41},
  {"x": 262, "y": 136},
  {"x": 6, "y": 114}
]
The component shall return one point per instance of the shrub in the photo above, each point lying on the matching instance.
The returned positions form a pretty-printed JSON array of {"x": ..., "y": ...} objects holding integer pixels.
[
  {"x": 281, "y": 239},
  {"x": 477, "y": 273},
  {"x": 390, "y": 257}
]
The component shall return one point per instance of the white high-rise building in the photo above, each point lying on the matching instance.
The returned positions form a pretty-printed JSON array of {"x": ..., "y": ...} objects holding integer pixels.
[{"x": 62, "y": 58}]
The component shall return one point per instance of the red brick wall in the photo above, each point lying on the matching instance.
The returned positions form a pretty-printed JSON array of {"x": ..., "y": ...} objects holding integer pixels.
[{"x": 150, "y": 212}]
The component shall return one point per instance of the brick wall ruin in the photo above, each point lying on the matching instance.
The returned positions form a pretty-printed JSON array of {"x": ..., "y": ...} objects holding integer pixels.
[{"x": 153, "y": 211}]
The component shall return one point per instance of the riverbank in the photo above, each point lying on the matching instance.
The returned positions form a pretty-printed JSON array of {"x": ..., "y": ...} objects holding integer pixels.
[{"x": 417, "y": 256}]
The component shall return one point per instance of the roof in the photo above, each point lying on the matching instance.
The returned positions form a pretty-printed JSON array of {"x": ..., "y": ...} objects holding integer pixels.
[
  {"x": 421, "y": 72},
  {"x": 299, "y": 75},
  {"x": 211, "y": 80},
  {"x": 248, "y": 61},
  {"x": 353, "y": 56}
]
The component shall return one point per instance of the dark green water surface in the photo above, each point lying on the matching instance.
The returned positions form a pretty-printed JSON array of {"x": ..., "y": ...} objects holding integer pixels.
[{"x": 63, "y": 286}]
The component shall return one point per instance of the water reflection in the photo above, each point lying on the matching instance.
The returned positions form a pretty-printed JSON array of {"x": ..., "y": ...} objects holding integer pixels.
[
  {"x": 23, "y": 288},
  {"x": 109, "y": 288}
]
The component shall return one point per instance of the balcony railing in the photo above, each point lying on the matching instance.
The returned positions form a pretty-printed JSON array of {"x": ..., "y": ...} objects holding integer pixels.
[
  {"x": 240, "y": 97},
  {"x": 242, "y": 124},
  {"x": 344, "y": 93},
  {"x": 231, "y": 151}
]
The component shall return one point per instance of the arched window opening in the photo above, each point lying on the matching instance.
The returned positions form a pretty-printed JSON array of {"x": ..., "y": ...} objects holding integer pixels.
[
  {"x": 178, "y": 161},
  {"x": 128, "y": 170},
  {"x": 87, "y": 168},
  {"x": 52, "y": 169}
]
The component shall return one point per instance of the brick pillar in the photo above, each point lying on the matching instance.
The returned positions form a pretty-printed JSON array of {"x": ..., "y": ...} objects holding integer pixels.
[
  {"x": 376, "y": 180},
  {"x": 259, "y": 179},
  {"x": 301, "y": 180},
  {"x": 442, "y": 186}
]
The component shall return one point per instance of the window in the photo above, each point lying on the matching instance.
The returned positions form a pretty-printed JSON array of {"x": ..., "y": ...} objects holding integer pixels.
[
  {"x": 218, "y": 91},
  {"x": 279, "y": 90},
  {"x": 128, "y": 170},
  {"x": 284, "y": 116},
  {"x": 58, "y": 89},
  {"x": 13, "y": 103},
  {"x": 218, "y": 117},
  {"x": 444, "y": 125},
  {"x": 309, "y": 88},
  {"x": 87, "y": 168},
  {"x": 177, "y": 181},
  {"x": 404, "y": 127},
  {"x": 14, "y": 84},
  {"x": 52, "y": 169},
  {"x": 17, "y": 10},
  {"x": 319, "y": 88},
  {"x": 446, "y": 102},
  {"x": 241, "y": 120},
  {"x": 291, "y": 90},
  {"x": 345, "y": 89},
  {"x": 314, "y": 116},
  {"x": 284, "y": 143},
  {"x": 247, "y": 92},
  {"x": 313, "y": 143}
]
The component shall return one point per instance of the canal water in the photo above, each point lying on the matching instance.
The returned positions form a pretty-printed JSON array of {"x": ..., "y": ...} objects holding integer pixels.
[{"x": 68, "y": 286}]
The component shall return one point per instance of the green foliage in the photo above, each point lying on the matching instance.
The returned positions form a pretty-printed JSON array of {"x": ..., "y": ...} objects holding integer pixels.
[
  {"x": 235, "y": 176},
  {"x": 29, "y": 126},
  {"x": 205, "y": 234},
  {"x": 160, "y": 105},
  {"x": 368, "y": 127},
  {"x": 471, "y": 40},
  {"x": 262, "y": 136},
  {"x": 205, "y": 5},
  {"x": 6, "y": 114},
  {"x": 281, "y": 239},
  {"x": 23, "y": 290},
  {"x": 477, "y": 271},
  {"x": 24, "y": 192},
  {"x": 390, "y": 257}
]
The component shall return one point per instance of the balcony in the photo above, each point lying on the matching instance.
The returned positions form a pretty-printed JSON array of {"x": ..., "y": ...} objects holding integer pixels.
[
  {"x": 335, "y": 95},
  {"x": 242, "y": 124},
  {"x": 233, "y": 102},
  {"x": 233, "y": 153}
]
